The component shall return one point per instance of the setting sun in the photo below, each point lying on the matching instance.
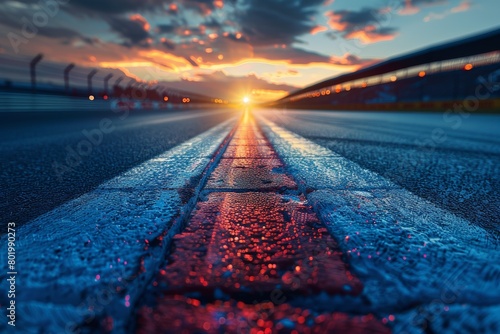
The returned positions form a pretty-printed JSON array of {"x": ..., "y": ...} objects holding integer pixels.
[{"x": 246, "y": 100}]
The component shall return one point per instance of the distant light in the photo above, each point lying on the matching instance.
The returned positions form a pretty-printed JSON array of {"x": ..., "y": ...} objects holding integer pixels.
[
  {"x": 165, "y": 98},
  {"x": 468, "y": 67},
  {"x": 209, "y": 50},
  {"x": 105, "y": 97},
  {"x": 348, "y": 88},
  {"x": 364, "y": 84},
  {"x": 91, "y": 97},
  {"x": 421, "y": 74},
  {"x": 394, "y": 78},
  {"x": 246, "y": 100},
  {"x": 220, "y": 57},
  {"x": 186, "y": 100}
]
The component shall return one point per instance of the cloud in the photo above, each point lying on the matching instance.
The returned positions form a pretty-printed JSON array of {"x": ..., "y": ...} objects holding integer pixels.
[
  {"x": 269, "y": 22},
  {"x": 135, "y": 29},
  {"x": 411, "y": 7},
  {"x": 350, "y": 60},
  {"x": 204, "y": 7},
  {"x": 365, "y": 24},
  {"x": 10, "y": 19},
  {"x": 372, "y": 34},
  {"x": 290, "y": 54},
  {"x": 138, "y": 18},
  {"x": 462, "y": 7},
  {"x": 218, "y": 84},
  {"x": 318, "y": 29},
  {"x": 167, "y": 28},
  {"x": 170, "y": 45},
  {"x": 117, "y": 6},
  {"x": 173, "y": 37}
]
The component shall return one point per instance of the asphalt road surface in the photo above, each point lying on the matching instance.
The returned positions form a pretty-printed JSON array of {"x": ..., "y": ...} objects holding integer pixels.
[
  {"x": 263, "y": 221},
  {"x": 43, "y": 165},
  {"x": 451, "y": 159}
]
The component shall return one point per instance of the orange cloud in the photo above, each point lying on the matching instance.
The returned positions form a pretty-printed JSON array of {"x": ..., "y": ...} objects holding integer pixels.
[
  {"x": 363, "y": 24},
  {"x": 369, "y": 35},
  {"x": 409, "y": 8},
  {"x": 335, "y": 21},
  {"x": 462, "y": 7},
  {"x": 140, "y": 19},
  {"x": 412, "y": 7},
  {"x": 218, "y": 3},
  {"x": 318, "y": 29}
]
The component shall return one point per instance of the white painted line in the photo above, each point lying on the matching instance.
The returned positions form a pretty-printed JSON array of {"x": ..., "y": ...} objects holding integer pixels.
[
  {"x": 318, "y": 167},
  {"x": 78, "y": 259},
  {"x": 406, "y": 251}
]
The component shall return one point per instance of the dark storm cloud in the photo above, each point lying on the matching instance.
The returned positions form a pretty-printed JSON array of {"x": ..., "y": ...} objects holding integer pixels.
[
  {"x": 170, "y": 45},
  {"x": 167, "y": 28},
  {"x": 211, "y": 23},
  {"x": 132, "y": 30},
  {"x": 295, "y": 55},
  {"x": 268, "y": 22},
  {"x": 118, "y": 6},
  {"x": 109, "y": 7},
  {"x": 301, "y": 56},
  {"x": 366, "y": 24},
  {"x": 203, "y": 7},
  {"x": 428, "y": 2},
  {"x": 61, "y": 33},
  {"x": 236, "y": 38}
]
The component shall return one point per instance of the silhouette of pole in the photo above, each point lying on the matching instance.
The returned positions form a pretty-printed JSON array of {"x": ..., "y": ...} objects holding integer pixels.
[
  {"x": 106, "y": 79},
  {"x": 66, "y": 75},
  {"x": 33, "y": 63},
  {"x": 89, "y": 80},
  {"x": 117, "y": 82}
]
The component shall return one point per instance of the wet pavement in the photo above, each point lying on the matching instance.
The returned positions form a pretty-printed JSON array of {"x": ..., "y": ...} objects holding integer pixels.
[
  {"x": 250, "y": 251},
  {"x": 256, "y": 226}
]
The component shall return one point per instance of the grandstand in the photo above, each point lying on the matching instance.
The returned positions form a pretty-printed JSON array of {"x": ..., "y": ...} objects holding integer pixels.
[{"x": 464, "y": 72}]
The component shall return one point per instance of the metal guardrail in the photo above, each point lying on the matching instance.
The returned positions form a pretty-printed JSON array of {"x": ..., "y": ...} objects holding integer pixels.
[
  {"x": 40, "y": 102},
  {"x": 31, "y": 102}
]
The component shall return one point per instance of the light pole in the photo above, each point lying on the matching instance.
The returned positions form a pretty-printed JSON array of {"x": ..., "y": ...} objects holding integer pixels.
[
  {"x": 33, "y": 63},
  {"x": 66, "y": 75},
  {"x": 106, "y": 79},
  {"x": 89, "y": 80}
]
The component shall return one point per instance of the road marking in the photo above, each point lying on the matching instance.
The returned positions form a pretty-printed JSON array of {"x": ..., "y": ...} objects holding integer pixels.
[
  {"x": 78, "y": 259},
  {"x": 402, "y": 247},
  {"x": 248, "y": 251}
]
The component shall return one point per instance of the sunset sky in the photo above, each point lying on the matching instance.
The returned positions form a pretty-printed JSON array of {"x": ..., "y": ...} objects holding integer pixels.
[{"x": 231, "y": 48}]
